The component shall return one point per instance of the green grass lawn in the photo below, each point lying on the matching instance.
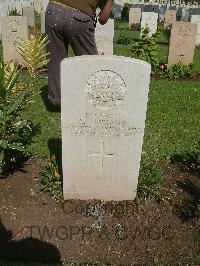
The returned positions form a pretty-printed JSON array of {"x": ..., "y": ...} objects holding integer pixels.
[{"x": 173, "y": 118}]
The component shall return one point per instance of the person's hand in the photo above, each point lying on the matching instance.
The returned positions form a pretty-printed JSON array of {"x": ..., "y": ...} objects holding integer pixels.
[
  {"x": 103, "y": 17},
  {"x": 105, "y": 12}
]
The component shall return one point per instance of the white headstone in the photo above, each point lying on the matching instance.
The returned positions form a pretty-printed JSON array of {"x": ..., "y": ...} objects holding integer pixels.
[
  {"x": 182, "y": 43},
  {"x": 134, "y": 16},
  {"x": 29, "y": 12},
  {"x": 13, "y": 27},
  {"x": 196, "y": 20},
  {"x": 3, "y": 13},
  {"x": 149, "y": 19},
  {"x": 3, "y": 10},
  {"x": 162, "y": 11},
  {"x": 104, "y": 103},
  {"x": 185, "y": 14},
  {"x": 104, "y": 35},
  {"x": 18, "y": 7},
  {"x": 37, "y": 5},
  {"x": 170, "y": 18},
  {"x": 116, "y": 10},
  {"x": 45, "y": 4}
]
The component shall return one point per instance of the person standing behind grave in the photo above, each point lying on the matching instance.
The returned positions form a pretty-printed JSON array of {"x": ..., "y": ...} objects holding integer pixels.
[{"x": 71, "y": 22}]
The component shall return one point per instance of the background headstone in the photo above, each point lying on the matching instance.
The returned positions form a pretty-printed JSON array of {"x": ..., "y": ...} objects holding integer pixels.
[
  {"x": 3, "y": 13},
  {"x": 134, "y": 16},
  {"x": 37, "y": 6},
  {"x": 182, "y": 43},
  {"x": 104, "y": 35},
  {"x": 179, "y": 14},
  {"x": 149, "y": 19},
  {"x": 45, "y": 4},
  {"x": 162, "y": 13},
  {"x": 13, "y": 27},
  {"x": 116, "y": 10},
  {"x": 196, "y": 20},
  {"x": 185, "y": 14},
  {"x": 170, "y": 17},
  {"x": 103, "y": 107},
  {"x": 29, "y": 12}
]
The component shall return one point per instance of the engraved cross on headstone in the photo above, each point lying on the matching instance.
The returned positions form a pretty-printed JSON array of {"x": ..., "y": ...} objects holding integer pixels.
[{"x": 102, "y": 155}]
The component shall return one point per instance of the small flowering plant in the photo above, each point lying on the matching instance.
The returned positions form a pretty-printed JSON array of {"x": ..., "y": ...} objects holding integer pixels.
[
  {"x": 163, "y": 67},
  {"x": 176, "y": 71},
  {"x": 52, "y": 180}
]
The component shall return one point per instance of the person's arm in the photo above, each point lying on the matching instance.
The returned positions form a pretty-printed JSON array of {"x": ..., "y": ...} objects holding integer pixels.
[{"x": 105, "y": 12}]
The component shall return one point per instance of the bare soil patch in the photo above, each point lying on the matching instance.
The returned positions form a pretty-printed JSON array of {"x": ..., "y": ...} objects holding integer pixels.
[{"x": 34, "y": 228}]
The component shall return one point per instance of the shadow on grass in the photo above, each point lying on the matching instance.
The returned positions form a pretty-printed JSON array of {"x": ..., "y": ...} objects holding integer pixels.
[
  {"x": 189, "y": 160},
  {"x": 50, "y": 107},
  {"x": 26, "y": 250}
]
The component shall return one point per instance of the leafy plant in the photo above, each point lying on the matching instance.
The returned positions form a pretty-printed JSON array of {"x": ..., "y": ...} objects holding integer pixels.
[
  {"x": 177, "y": 71},
  {"x": 15, "y": 132},
  {"x": 150, "y": 180},
  {"x": 13, "y": 128},
  {"x": 52, "y": 180},
  {"x": 14, "y": 12},
  {"x": 146, "y": 48},
  {"x": 33, "y": 52},
  {"x": 167, "y": 32},
  {"x": 135, "y": 26},
  {"x": 124, "y": 39}
]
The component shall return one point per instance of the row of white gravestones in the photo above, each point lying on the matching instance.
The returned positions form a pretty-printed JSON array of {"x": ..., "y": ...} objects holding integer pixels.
[
  {"x": 196, "y": 20},
  {"x": 182, "y": 43},
  {"x": 103, "y": 120},
  {"x": 18, "y": 5},
  {"x": 104, "y": 35},
  {"x": 149, "y": 19}
]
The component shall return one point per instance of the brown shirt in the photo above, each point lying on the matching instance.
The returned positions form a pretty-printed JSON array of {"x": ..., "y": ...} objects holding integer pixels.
[{"x": 87, "y": 6}]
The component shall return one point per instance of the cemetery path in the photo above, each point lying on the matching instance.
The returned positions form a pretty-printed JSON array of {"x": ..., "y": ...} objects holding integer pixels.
[{"x": 129, "y": 233}]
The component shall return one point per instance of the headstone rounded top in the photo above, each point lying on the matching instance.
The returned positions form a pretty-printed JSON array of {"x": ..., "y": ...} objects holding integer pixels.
[{"x": 105, "y": 90}]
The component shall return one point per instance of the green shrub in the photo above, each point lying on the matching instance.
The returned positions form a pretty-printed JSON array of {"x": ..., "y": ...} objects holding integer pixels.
[
  {"x": 167, "y": 32},
  {"x": 146, "y": 48},
  {"x": 177, "y": 71},
  {"x": 16, "y": 132},
  {"x": 52, "y": 180},
  {"x": 124, "y": 39},
  {"x": 135, "y": 27},
  {"x": 150, "y": 180}
]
